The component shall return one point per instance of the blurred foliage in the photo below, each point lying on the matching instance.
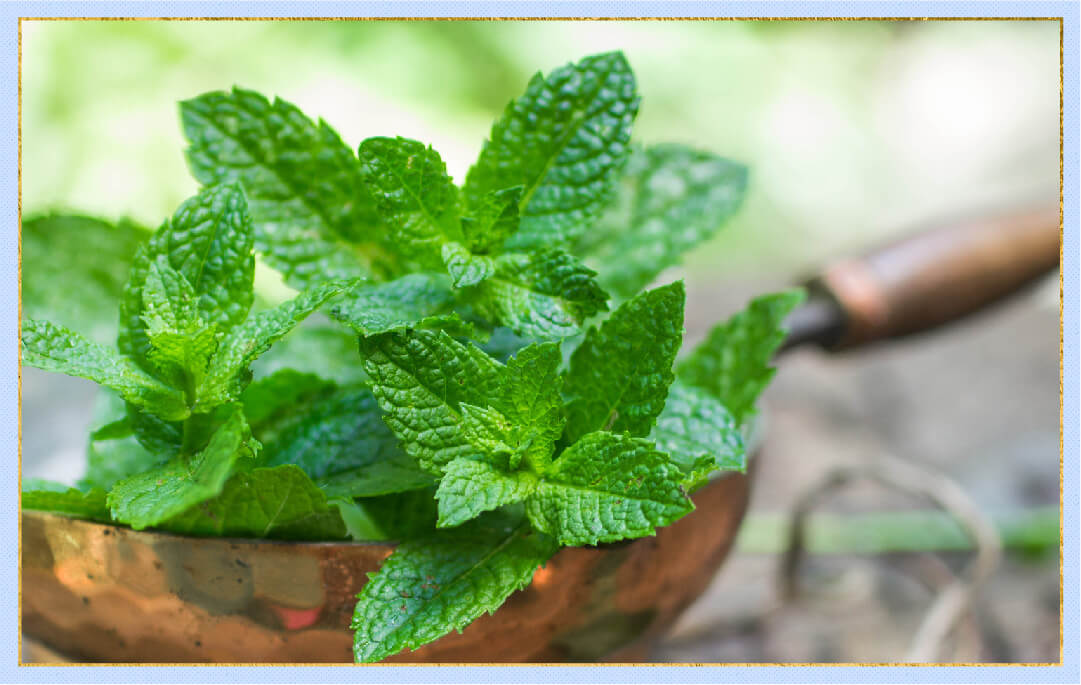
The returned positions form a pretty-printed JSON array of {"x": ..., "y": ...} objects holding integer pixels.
[{"x": 851, "y": 129}]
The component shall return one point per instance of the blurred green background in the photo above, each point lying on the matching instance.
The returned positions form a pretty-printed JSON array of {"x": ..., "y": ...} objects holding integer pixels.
[{"x": 852, "y": 130}]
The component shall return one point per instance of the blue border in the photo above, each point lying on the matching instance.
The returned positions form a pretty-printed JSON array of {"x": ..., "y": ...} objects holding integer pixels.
[{"x": 1069, "y": 672}]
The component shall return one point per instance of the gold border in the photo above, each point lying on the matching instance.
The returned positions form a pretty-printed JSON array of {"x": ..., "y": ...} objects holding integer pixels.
[{"x": 582, "y": 18}]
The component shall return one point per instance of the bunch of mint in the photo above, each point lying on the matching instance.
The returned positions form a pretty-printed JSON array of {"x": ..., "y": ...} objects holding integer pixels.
[{"x": 507, "y": 399}]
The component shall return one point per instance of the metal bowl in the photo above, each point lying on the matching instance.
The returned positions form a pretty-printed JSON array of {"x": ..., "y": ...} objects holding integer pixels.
[{"x": 94, "y": 592}]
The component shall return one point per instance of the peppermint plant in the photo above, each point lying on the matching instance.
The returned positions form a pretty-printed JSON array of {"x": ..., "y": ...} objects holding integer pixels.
[{"x": 491, "y": 377}]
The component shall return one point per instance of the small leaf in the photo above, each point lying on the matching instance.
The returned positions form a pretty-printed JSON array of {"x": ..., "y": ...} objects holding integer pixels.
[
  {"x": 564, "y": 141},
  {"x": 544, "y": 295},
  {"x": 416, "y": 197},
  {"x": 440, "y": 583},
  {"x": 54, "y": 348},
  {"x": 732, "y": 363},
  {"x": 530, "y": 395},
  {"x": 469, "y": 488},
  {"x": 492, "y": 220},
  {"x": 608, "y": 487},
  {"x": 619, "y": 376},
  {"x": 464, "y": 267},
  {"x": 413, "y": 301}
]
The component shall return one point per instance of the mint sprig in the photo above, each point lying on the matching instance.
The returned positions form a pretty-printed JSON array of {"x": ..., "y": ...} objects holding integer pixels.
[{"x": 469, "y": 390}]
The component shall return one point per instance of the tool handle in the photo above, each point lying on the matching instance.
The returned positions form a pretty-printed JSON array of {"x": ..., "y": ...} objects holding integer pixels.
[{"x": 926, "y": 280}]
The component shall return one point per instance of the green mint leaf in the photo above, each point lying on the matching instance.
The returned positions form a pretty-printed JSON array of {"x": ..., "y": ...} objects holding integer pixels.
[
  {"x": 470, "y": 488},
  {"x": 420, "y": 379},
  {"x": 398, "y": 516},
  {"x": 671, "y": 198},
  {"x": 694, "y": 425},
  {"x": 414, "y": 194},
  {"x": 242, "y": 345},
  {"x": 490, "y": 432},
  {"x": 60, "y": 499},
  {"x": 279, "y": 503},
  {"x": 65, "y": 282},
  {"x": 415, "y": 301},
  {"x": 54, "y": 348},
  {"x": 397, "y": 474},
  {"x": 272, "y": 400},
  {"x": 732, "y": 363},
  {"x": 530, "y": 395},
  {"x": 492, "y": 219},
  {"x": 464, "y": 267},
  {"x": 154, "y": 496},
  {"x": 564, "y": 141},
  {"x": 314, "y": 217},
  {"x": 608, "y": 487},
  {"x": 181, "y": 342},
  {"x": 336, "y": 432},
  {"x": 432, "y": 586},
  {"x": 619, "y": 375},
  {"x": 543, "y": 295},
  {"x": 112, "y": 451},
  {"x": 208, "y": 241}
]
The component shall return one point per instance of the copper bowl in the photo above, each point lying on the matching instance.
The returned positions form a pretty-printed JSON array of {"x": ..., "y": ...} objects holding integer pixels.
[{"x": 94, "y": 592}]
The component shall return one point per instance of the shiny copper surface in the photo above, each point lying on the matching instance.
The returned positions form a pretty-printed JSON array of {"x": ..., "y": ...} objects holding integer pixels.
[{"x": 94, "y": 592}]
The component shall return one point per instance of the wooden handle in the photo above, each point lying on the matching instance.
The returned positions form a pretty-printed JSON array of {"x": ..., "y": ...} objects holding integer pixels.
[{"x": 938, "y": 276}]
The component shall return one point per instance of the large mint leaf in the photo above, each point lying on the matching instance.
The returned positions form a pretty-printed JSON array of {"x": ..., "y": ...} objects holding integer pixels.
[
  {"x": 440, "y": 583},
  {"x": 619, "y": 375},
  {"x": 315, "y": 218},
  {"x": 732, "y": 363},
  {"x": 208, "y": 241},
  {"x": 470, "y": 488},
  {"x": 416, "y": 197},
  {"x": 159, "y": 494},
  {"x": 279, "y": 503},
  {"x": 414, "y": 301},
  {"x": 541, "y": 295},
  {"x": 60, "y": 499},
  {"x": 670, "y": 199},
  {"x": 564, "y": 141},
  {"x": 608, "y": 487},
  {"x": 65, "y": 282},
  {"x": 694, "y": 425},
  {"x": 54, "y": 348},
  {"x": 420, "y": 378},
  {"x": 242, "y": 345}
]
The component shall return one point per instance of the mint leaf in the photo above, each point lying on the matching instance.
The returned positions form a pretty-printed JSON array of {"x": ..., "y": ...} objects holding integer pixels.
[
  {"x": 415, "y": 196},
  {"x": 732, "y": 363},
  {"x": 564, "y": 141},
  {"x": 279, "y": 503},
  {"x": 464, "y": 267},
  {"x": 420, "y": 378},
  {"x": 181, "y": 342},
  {"x": 543, "y": 295},
  {"x": 619, "y": 376},
  {"x": 491, "y": 433},
  {"x": 242, "y": 345},
  {"x": 112, "y": 452},
  {"x": 315, "y": 346},
  {"x": 694, "y": 425},
  {"x": 54, "y": 348},
  {"x": 83, "y": 504},
  {"x": 272, "y": 400},
  {"x": 154, "y": 496},
  {"x": 491, "y": 220},
  {"x": 414, "y": 301},
  {"x": 398, "y": 516},
  {"x": 437, "y": 584},
  {"x": 314, "y": 216},
  {"x": 470, "y": 488},
  {"x": 671, "y": 198},
  {"x": 63, "y": 281},
  {"x": 397, "y": 474},
  {"x": 530, "y": 396},
  {"x": 608, "y": 487},
  {"x": 342, "y": 440}
]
